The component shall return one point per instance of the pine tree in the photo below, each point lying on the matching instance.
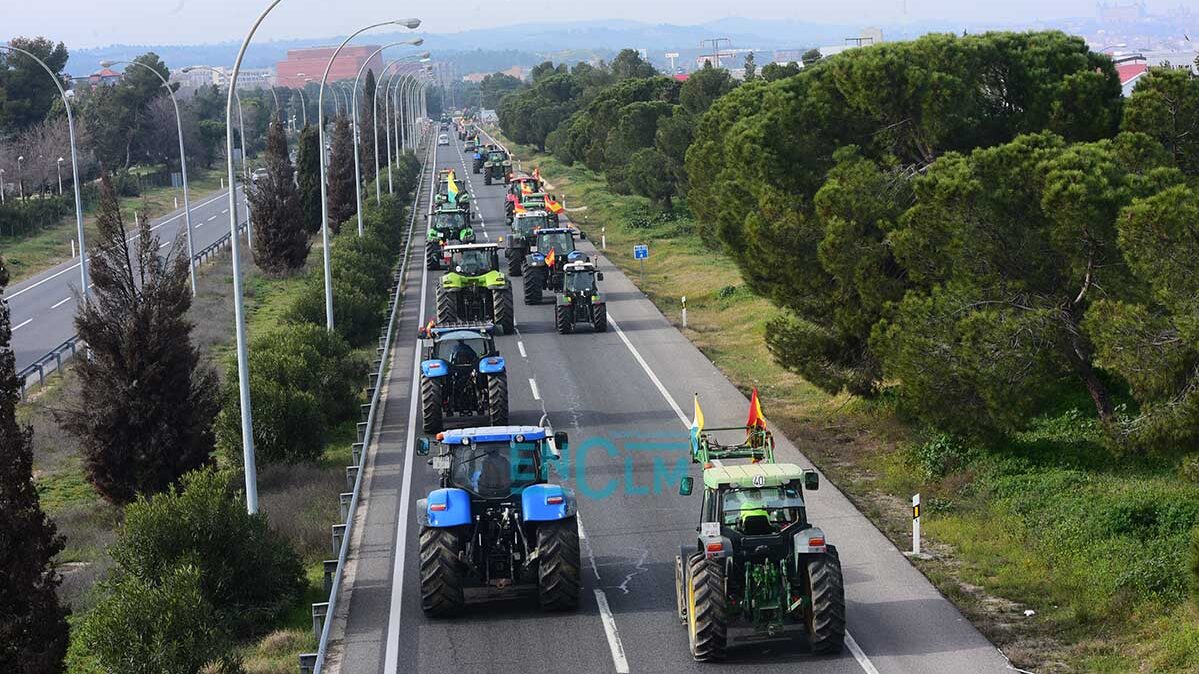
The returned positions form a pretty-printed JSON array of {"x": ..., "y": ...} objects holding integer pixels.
[
  {"x": 33, "y": 627},
  {"x": 308, "y": 174},
  {"x": 146, "y": 406},
  {"x": 280, "y": 242},
  {"x": 366, "y": 125},
  {"x": 342, "y": 199}
]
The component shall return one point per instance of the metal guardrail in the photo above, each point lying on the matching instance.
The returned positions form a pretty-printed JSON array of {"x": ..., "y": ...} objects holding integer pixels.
[
  {"x": 59, "y": 354},
  {"x": 322, "y": 613}
]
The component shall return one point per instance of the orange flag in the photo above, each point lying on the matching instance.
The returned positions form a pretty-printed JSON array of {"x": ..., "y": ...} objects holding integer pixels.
[
  {"x": 549, "y": 259},
  {"x": 756, "y": 420},
  {"x": 554, "y": 206}
]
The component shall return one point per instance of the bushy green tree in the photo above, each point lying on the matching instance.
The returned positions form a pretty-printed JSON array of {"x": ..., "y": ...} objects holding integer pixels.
[
  {"x": 33, "y": 626},
  {"x": 280, "y": 242},
  {"x": 628, "y": 64},
  {"x": 778, "y": 71},
  {"x": 705, "y": 86},
  {"x": 29, "y": 94},
  {"x": 1165, "y": 104},
  {"x": 341, "y": 196},
  {"x": 648, "y": 174},
  {"x": 495, "y": 86},
  {"x": 810, "y": 57},
  {"x": 750, "y": 67},
  {"x": 146, "y": 403},
  {"x": 529, "y": 115},
  {"x": 308, "y": 174}
]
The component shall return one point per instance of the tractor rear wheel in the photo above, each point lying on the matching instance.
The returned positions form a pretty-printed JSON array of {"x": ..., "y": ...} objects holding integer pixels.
[
  {"x": 441, "y": 570},
  {"x": 563, "y": 319},
  {"x": 430, "y": 404},
  {"x": 447, "y": 307},
  {"x": 534, "y": 282},
  {"x": 502, "y": 309},
  {"x": 432, "y": 255},
  {"x": 825, "y": 613},
  {"x": 599, "y": 317},
  {"x": 515, "y": 261},
  {"x": 487, "y": 178},
  {"x": 497, "y": 399},
  {"x": 558, "y": 565},
  {"x": 707, "y": 618}
]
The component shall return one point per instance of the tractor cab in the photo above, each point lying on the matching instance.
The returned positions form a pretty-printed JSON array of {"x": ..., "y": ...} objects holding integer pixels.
[
  {"x": 447, "y": 225},
  {"x": 496, "y": 166},
  {"x": 474, "y": 259},
  {"x": 462, "y": 374},
  {"x": 527, "y": 223},
  {"x": 544, "y": 267},
  {"x": 497, "y": 462},
  {"x": 475, "y": 289},
  {"x": 580, "y": 300}
]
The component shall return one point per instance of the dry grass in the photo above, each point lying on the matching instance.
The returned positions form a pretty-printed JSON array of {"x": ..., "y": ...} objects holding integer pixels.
[{"x": 301, "y": 502}]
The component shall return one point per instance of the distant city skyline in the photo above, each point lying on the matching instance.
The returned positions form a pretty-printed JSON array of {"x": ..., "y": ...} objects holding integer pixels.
[{"x": 86, "y": 24}]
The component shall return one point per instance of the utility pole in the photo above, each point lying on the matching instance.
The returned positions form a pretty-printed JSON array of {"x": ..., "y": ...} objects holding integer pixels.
[{"x": 716, "y": 48}]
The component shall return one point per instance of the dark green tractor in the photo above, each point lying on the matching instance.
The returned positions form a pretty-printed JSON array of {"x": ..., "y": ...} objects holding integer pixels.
[
  {"x": 496, "y": 167},
  {"x": 580, "y": 300},
  {"x": 758, "y": 570},
  {"x": 523, "y": 238},
  {"x": 447, "y": 225},
  {"x": 544, "y": 267}
]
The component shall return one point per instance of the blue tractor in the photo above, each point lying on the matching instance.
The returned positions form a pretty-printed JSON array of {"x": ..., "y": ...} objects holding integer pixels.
[
  {"x": 461, "y": 374},
  {"x": 496, "y": 523}
]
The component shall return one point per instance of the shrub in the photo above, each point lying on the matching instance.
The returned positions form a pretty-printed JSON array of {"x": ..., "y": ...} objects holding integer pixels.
[
  {"x": 939, "y": 456},
  {"x": 303, "y": 380},
  {"x": 1194, "y": 561},
  {"x": 246, "y": 571},
  {"x": 141, "y": 626}
]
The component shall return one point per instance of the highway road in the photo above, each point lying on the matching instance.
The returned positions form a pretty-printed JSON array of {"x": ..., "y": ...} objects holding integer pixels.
[
  {"x": 625, "y": 398},
  {"x": 43, "y": 307}
]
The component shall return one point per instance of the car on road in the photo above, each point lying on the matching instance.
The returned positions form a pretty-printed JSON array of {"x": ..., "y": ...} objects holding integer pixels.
[
  {"x": 258, "y": 174},
  {"x": 443, "y": 139}
]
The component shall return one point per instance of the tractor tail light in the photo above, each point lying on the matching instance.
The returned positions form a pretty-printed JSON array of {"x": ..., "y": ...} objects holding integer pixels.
[
  {"x": 438, "y": 507},
  {"x": 815, "y": 542},
  {"x": 554, "y": 500},
  {"x": 715, "y": 547}
]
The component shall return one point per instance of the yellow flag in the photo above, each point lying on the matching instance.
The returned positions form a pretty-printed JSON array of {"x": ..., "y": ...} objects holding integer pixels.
[{"x": 697, "y": 423}]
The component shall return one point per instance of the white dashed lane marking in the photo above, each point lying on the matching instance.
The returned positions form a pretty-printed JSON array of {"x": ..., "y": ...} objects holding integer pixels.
[{"x": 60, "y": 303}]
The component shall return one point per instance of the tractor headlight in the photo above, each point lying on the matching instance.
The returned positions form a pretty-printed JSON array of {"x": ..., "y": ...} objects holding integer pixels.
[{"x": 569, "y": 299}]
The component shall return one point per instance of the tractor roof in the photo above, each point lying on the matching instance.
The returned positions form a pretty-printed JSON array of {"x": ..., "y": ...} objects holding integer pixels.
[
  {"x": 492, "y": 434},
  {"x": 750, "y": 475},
  {"x": 580, "y": 266},
  {"x": 535, "y": 213},
  {"x": 557, "y": 230},
  {"x": 472, "y": 246},
  {"x": 533, "y": 195},
  {"x": 523, "y": 178}
]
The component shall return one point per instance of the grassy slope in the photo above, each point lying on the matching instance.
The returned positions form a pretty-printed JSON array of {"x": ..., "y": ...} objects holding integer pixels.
[
  {"x": 28, "y": 255},
  {"x": 1050, "y": 522}
]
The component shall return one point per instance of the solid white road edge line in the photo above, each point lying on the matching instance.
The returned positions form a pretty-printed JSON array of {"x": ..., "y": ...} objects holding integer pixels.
[
  {"x": 850, "y": 643},
  {"x": 391, "y": 653}
]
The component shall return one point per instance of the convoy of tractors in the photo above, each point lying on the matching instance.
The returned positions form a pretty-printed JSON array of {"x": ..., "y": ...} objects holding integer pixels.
[{"x": 757, "y": 570}]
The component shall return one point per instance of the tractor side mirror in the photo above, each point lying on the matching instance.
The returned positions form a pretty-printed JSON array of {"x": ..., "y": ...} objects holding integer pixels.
[
  {"x": 458, "y": 269},
  {"x": 583, "y": 235},
  {"x": 811, "y": 480},
  {"x": 561, "y": 441},
  {"x": 686, "y": 485},
  {"x": 599, "y": 276},
  {"x": 500, "y": 240},
  {"x": 422, "y": 447}
]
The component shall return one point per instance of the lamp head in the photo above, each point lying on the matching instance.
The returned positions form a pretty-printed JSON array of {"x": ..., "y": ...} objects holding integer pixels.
[
  {"x": 424, "y": 57},
  {"x": 107, "y": 64},
  {"x": 409, "y": 23},
  {"x": 415, "y": 42}
]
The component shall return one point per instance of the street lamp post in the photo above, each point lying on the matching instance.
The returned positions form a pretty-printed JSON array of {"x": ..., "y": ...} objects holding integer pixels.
[
  {"x": 21, "y": 177},
  {"x": 387, "y": 125},
  {"x": 59, "y": 166},
  {"x": 303, "y": 103},
  {"x": 320, "y": 124},
  {"x": 187, "y": 209},
  {"x": 1, "y": 186},
  {"x": 241, "y": 130},
  {"x": 66, "y": 102}
]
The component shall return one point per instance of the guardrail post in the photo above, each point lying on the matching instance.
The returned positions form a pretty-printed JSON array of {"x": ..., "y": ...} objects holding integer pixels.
[
  {"x": 343, "y": 503},
  {"x": 330, "y": 571},
  {"x": 361, "y": 431},
  {"x": 308, "y": 662},
  {"x": 351, "y": 476},
  {"x": 356, "y": 453},
  {"x": 41, "y": 374},
  {"x": 373, "y": 381},
  {"x": 364, "y": 411},
  {"x": 319, "y": 613},
  {"x": 339, "y": 532}
]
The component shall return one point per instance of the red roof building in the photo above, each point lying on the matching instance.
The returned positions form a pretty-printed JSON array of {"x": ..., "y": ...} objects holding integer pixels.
[
  {"x": 107, "y": 77},
  {"x": 1129, "y": 74},
  {"x": 311, "y": 62}
]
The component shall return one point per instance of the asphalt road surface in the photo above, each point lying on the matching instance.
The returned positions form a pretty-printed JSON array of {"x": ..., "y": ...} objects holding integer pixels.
[
  {"x": 43, "y": 307},
  {"x": 625, "y": 398}
]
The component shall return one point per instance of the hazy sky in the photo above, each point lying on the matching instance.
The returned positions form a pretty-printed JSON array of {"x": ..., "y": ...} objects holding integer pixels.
[{"x": 88, "y": 23}]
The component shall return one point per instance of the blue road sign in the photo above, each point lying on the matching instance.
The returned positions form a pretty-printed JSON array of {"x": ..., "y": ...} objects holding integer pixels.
[{"x": 640, "y": 252}]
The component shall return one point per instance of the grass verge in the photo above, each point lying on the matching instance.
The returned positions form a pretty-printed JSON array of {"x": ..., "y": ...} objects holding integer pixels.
[{"x": 1047, "y": 521}]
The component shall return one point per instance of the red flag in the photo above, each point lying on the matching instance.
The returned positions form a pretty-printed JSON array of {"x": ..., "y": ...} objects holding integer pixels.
[
  {"x": 549, "y": 259},
  {"x": 554, "y": 206},
  {"x": 756, "y": 420}
]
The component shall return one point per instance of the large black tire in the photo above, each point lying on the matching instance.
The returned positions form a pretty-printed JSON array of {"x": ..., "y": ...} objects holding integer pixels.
[
  {"x": 487, "y": 178},
  {"x": 680, "y": 583},
  {"x": 825, "y": 614},
  {"x": 707, "y": 623},
  {"x": 441, "y": 571},
  {"x": 599, "y": 317},
  {"x": 432, "y": 255},
  {"x": 502, "y": 309},
  {"x": 558, "y": 565},
  {"x": 430, "y": 405},
  {"x": 515, "y": 261},
  {"x": 563, "y": 319},
  {"x": 534, "y": 282},
  {"x": 447, "y": 307},
  {"x": 497, "y": 399}
]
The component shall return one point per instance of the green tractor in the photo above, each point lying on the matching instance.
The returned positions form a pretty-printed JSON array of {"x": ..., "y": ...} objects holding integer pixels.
[
  {"x": 460, "y": 198},
  {"x": 447, "y": 225},
  {"x": 580, "y": 301},
  {"x": 496, "y": 167},
  {"x": 475, "y": 290},
  {"x": 544, "y": 267},
  {"x": 523, "y": 238},
  {"x": 758, "y": 570}
]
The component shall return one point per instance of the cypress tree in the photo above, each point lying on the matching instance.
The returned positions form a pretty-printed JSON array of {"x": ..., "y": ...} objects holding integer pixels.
[
  {"x": 366, "y": 148},
  {"x": 342, "y": 199},
  {"x": 280, "y": 242},
  {"x": 33, "y": 626},
  {"x": 308, "y": 174}
]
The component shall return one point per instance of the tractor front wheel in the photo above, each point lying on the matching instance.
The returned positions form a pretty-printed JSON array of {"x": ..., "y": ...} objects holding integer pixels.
[
  {"x": 441, "y": 570},
  {"x": 502, "y": 309},
  {"x": 432, "y": 255},
  {"x": 564, "y": 319},
  {"x": 447, "y": 307},
  {"x": 515, "y": 261},
  {"x": 497, "y": 399},
  {"x": 430, "y": 404},
  {"x": 534, "y": 282},
  {"x": 707, "y": 617},
  {"x": 825, "y": 613},
  {"x": 487, "y": 178},
  {"x": 558, "y": 565},
  {"x": 599, "y": 317}
]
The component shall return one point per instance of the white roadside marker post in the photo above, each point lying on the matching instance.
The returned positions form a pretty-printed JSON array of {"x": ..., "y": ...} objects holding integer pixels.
[
  {"x": 684, "y": 311},
  {"x": 604, "y": 238},
  {"x": 916, "y": 525}
]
